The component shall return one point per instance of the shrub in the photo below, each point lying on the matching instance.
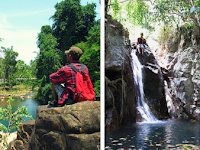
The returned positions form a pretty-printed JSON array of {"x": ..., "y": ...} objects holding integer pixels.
[{"x": 13, "y": 119}]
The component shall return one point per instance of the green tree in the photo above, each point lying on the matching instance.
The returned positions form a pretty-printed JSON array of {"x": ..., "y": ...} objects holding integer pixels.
[
  {"x": 91, "y": 55},
  {"x": 9, "y": 63},
  {"x": 33, "y": 65},
  {"x": 2, "y": 70},
  {"x": 47, "y": 62},
  {"x": 22, "y": 70},
  {"x": 72, "y": 23},
  {"x": 133, "y": 11},
  {"x": 151, "y": 13},
  {"x": 148, "y": 12},
  {"x": 181, "y": 10},
  {"x": 1, "y": 64}
]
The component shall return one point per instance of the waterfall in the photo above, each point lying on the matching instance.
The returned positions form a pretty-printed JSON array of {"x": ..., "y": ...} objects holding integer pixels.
[{"x": 142, "y": 107}]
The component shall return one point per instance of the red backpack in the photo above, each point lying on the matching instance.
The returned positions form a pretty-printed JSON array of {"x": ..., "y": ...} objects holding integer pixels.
[{"x": 83, "y": 89}]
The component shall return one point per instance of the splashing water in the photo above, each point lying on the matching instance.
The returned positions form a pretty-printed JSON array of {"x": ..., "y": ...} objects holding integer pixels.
[{"x": 142, "y": 107}]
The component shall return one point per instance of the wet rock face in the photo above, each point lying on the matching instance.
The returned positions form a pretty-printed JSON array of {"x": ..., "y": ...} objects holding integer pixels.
[
  {"x": 186, "y": 83},
  {"x": 153, "y": 84},
  {"x": 119, "y": 84}
]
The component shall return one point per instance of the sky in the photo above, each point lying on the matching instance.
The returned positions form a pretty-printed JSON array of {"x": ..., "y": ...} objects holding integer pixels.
[{"x": 21, "y": 21}]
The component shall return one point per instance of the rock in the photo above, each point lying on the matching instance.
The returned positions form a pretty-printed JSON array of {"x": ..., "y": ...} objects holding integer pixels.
[
  {"x": 184, "y": 74},
  {"x": 25, "y": 130},
  {"x": 9, "y": 137},
  {"x": 169, "y": 101},
  {"x": 154, "y": 88},
  {"x": 74, "y": 126},
  {"x": 186, "y": 82},
  {"x": 119, "y": 86}
]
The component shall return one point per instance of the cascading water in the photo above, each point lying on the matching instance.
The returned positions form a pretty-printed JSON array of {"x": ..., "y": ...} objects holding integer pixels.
[{"x": 142, "y": 107}]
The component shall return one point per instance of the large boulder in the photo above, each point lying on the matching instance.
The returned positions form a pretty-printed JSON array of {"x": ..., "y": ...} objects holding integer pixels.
[
  {"x": 119, "y": 86},
  {"x": 74, "y": 126}
]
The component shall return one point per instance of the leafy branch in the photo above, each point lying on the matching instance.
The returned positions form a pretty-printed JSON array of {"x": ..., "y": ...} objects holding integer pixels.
[
  {"x": 13, "y": 119},
  {"x": 118, "y": 2}
]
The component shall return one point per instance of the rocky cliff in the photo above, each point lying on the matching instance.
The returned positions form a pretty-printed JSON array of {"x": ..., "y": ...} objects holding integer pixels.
[
  {"x": 74, "y": 126},
  {"x": 119, "y": 87},
  {"x": 183, "y": 71},
  {"x": 184, "y": 83}
]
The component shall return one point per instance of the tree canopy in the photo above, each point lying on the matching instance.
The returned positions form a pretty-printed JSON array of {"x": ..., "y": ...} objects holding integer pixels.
[
  {"x": 11, "y": 68},
  {"x": 9, "y": 65},
  {"x": 47, "y": 61},
  {"x": 73, "y": 24},
  {"x": 91, "y": 55},
  {"x": 146, "y": 13}
]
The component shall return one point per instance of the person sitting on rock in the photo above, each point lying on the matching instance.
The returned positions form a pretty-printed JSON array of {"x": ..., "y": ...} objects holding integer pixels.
[
  {"x": 66, "y": 75},
  {"x": 140, "y": 45}
]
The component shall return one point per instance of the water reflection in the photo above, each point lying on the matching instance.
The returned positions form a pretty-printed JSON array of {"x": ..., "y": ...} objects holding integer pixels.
[{"x": 160, "y": 135}]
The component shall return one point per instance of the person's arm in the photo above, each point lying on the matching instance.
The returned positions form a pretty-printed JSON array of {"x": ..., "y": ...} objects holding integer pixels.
[
  {"x": 137, "y": 41},
  {"x": 144, "y": 41},
  {"x": 86, "y": 69},
  {"x": 58, "y": 77}
]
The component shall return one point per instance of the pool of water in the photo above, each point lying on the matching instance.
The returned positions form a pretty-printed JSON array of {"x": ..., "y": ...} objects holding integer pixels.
[
  {"x": 30, "y": 103},
  {"x": 158, "y": 135}
]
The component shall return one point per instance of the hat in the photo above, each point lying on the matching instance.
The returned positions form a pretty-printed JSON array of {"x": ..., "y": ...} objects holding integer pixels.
[{"x": 75, "y": 52}]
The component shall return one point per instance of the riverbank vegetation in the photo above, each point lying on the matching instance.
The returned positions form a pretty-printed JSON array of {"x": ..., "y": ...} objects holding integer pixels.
[
  {"x": 16, "y": 77},
  {"x": 17, "y": 90}
]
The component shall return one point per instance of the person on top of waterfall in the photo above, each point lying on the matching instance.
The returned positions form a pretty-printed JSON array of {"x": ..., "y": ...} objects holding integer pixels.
[{"x": 141, "y": 44}]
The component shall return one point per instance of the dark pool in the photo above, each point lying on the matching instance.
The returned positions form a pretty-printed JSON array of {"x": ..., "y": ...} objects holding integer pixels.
[{"x": 171, "y": 134}]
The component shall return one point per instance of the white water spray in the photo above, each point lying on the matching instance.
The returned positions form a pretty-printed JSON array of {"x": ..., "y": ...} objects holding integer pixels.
[{"x": 142, "y": 107}]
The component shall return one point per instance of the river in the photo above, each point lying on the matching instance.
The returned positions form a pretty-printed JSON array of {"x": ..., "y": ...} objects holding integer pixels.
[{"x": 30, "y": 103}]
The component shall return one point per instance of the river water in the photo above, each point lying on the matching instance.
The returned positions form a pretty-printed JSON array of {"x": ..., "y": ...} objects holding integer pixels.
[{"x": 30, "y": 103}]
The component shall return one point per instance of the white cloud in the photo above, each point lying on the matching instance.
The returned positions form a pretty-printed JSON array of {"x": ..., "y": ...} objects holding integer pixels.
[
  {"x": 23, "y": 42},
  {"x": 8, "y": 34},
  {"x": 24, "y": 47},
  {"x": 3, "y": 22},
  {"x": 28, "y": 13}
]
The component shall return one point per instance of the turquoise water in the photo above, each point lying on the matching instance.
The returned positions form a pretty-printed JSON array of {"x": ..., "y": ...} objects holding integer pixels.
[
  {"x": 30, "y": 103},
  {"x": 160, "y": 135}
]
